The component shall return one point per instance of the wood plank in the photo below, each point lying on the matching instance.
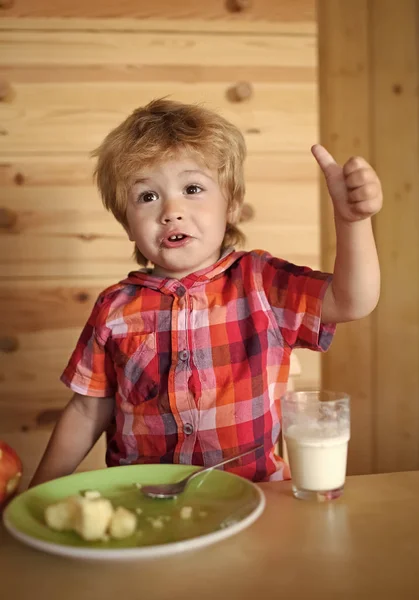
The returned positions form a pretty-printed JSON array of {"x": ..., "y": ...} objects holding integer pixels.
[
  {"x": 37, "y": 363},
  {"x": 51, "y": 118},
  {"x": 50, "y": 170},
  {"x": 80, "y": 48},
  {"x": 99, "y": 98},
  {"x": 216, "y": 26},
  {"x": 65, "y": 255},
  {"x": 289, "y": 15},
  {"x": 344, "y": 124},
  {"x": 151, "y": 73},
  {"x": 33, "y": 306},
  {"x": 396, "y": 139}
]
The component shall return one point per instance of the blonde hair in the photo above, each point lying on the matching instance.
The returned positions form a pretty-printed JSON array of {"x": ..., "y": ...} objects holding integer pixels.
[{"x": 158, "y": 131}]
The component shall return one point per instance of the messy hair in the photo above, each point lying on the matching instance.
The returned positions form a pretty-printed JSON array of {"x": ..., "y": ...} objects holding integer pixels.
[{"x": 159, "y": 131}]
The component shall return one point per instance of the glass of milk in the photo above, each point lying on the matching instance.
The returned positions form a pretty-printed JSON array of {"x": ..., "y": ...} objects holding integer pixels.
[{"x": 316, "y": 428}]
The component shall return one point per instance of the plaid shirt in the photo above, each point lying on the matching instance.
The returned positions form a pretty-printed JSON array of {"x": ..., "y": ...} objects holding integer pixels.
[{"x": 197, "y": 365}]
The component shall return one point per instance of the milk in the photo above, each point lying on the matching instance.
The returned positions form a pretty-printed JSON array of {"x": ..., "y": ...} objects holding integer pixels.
[{"x": 317, "y": 456}]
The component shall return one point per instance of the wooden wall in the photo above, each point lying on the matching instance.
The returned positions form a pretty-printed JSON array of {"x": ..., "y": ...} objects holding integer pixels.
[
  {"x": 72, "y": 70},
  {"x": 369, "y": 105}
]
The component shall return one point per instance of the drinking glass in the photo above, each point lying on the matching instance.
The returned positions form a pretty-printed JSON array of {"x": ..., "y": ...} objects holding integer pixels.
[{"x": 316, "y": 429}]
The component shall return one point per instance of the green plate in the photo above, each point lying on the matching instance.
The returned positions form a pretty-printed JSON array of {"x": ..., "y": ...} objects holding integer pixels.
[{"x": 222, "y": 505}]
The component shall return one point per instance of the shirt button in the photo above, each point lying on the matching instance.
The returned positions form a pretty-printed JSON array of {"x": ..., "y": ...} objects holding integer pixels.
[
  {"x": 184, "y": 355},
  {"x": 180, "y": 291},
  {"x": 188, "y": 429}
]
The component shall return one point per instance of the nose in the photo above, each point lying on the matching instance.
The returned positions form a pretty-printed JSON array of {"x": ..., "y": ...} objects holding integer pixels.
[{"x": 172, "y": 211}]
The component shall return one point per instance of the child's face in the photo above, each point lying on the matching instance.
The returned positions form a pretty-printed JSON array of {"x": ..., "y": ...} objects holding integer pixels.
[{"x": 181, "y": 198}]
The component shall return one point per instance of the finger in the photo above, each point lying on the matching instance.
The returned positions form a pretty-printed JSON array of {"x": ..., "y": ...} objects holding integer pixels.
[
  {"x": 364, "y": 209},
  {"x": 326, "y": 161},
  {"x": 364, "y": 193},
  {"x": 355, "y": 163},
  {"x": 360, "y": 177}
]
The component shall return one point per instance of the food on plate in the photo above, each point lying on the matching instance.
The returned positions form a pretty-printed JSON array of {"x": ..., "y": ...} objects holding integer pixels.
[
  {"x": 186, "y": 512},
  {"x": 156, "y": 522},
  {"x": 10, "y": 473},
  {"x": 60, "y": 516},
  {"x": 91, "y": 516},
  {"x": 90, "y": 494},
  {"x": 95, "y": 519},
  {"x": 123, "y": 523}
]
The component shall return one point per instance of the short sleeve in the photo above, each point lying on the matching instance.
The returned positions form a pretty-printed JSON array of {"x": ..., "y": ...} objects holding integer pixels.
[
  {"x": 296, "y": 295},
  {"x": 90, "y": 370}
]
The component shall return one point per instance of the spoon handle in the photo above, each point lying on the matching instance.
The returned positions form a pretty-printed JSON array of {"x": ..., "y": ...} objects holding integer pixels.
[{"x": 223, "y": 462}]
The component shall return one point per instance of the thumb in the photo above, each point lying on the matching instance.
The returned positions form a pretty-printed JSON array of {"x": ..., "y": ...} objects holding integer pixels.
[{"x": 326, "y": 161}]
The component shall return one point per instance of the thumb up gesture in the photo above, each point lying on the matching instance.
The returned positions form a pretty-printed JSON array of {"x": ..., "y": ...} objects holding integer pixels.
[{"x": 355, "y": 188}]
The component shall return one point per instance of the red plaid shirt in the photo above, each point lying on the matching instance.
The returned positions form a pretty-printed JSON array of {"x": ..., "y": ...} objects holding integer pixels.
[{"x": 197, "y": 366}]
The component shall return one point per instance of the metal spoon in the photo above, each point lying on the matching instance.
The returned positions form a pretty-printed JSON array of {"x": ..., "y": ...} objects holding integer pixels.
[{"x": 170, "y": 490}]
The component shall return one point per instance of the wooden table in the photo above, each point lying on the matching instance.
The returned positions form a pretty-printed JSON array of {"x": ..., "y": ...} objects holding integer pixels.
[{"x": 362, "y": 546}]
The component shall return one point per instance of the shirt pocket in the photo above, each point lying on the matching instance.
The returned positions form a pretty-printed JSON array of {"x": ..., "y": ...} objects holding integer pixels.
[{"x": 137, "y": 367}]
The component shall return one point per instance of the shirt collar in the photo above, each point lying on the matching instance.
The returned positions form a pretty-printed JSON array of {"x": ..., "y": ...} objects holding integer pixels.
[{"x": 146, "y": 278}]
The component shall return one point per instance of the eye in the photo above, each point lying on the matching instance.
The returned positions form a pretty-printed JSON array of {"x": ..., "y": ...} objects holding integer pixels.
[
  {"x": 193, "y": 189},
  {"x": 147, "y": 197}
]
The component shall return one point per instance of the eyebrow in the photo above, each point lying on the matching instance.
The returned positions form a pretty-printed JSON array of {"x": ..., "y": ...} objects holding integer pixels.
[
  {"x": 196, "y": 171},
  {"x": 188, "y": 171}
]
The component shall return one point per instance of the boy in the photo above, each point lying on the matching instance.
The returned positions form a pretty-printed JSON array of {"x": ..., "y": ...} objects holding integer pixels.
[{"x": 185, "y": 362}]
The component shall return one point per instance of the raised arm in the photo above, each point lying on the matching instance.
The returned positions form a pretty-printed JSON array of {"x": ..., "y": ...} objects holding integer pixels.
[
  {"x": 81, "y": 424},
  {"x": 356, "y": 193}
]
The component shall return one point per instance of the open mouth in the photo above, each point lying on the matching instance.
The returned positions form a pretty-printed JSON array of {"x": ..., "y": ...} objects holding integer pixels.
[
  {"x": 176, "y": 240},
  {"x": 177, "y": 237}
]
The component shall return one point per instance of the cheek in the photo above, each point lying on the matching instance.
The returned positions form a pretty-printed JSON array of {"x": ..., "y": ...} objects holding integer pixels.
[
  {"x": 217, "y": 210},
  {"x": 143, "y": 231},
  {"x": 138, "y": 219},
  {"x": 213, "y": 219}
]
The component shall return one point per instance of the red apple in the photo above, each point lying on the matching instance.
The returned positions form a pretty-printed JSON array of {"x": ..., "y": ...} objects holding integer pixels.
[{"x": 10, "y": 473}]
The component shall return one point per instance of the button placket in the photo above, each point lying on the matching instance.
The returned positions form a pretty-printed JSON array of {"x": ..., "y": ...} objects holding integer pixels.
[
  {"x": 188, "y": 429},
  {"x": 184, "y": 399}
]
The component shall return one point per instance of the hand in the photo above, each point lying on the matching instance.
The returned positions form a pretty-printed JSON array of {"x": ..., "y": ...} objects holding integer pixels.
[{"x": 355, "y": 188}]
